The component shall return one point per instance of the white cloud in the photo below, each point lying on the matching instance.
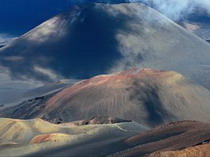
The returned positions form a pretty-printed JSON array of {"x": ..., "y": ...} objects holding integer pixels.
[
  {"x": 46, "y": 72},
  {"x": 176, "y": 9}
]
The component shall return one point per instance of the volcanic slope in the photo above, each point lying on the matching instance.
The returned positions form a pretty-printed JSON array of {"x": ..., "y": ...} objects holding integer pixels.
[
  {"x": 187, "y": 138},
  {"x": 150, "y": 97},
  {"x": 102, "y": 136},
  {"x": 25, "y": 137},
  {"x": 195, "y": 151},
  {"x": 173, "y": 138},
  {"x": 93, "y": 39}
]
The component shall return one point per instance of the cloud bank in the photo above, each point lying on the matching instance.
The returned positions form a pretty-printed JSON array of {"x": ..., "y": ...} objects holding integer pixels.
[{"x": 177, "y": 9}]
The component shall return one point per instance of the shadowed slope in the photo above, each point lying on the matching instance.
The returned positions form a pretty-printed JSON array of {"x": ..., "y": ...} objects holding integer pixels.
[
  {"x": 173, "y": 136},
  {"x": 150, "y": 97},
  {"x": 99, "y": 38}
]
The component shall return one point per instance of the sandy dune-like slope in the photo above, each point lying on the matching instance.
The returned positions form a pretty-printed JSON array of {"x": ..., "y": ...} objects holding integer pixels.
[
  {"x": 103, "y": 136},
  {"x": 25, "y": 137},
  {"x": 150, "y": 97},
  {"x": 187, "y": 138},
  {"x": 93, "y": 39}
]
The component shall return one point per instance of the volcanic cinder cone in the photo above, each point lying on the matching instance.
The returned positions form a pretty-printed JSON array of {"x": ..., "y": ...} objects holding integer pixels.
[
  {"x": 93, "y": 39},
  {"x": 150, "y": 97}
]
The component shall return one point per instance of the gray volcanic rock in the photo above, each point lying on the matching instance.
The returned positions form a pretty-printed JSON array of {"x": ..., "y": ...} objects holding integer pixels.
[
  {"x": 101, "y": 38},
  {"x": 150, "y": 97}
]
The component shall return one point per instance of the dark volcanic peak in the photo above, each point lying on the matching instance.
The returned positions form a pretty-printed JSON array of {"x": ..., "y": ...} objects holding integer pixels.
[
  {"x": 150, "y": 97},
  {"x": 93, "y": 39}
]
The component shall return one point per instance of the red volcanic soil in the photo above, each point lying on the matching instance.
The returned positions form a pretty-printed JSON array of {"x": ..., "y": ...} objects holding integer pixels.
[
  {"x": 150, "y": 97},
  {"x": 42, "y": 138},
  {"x": 117, "y": 80}
]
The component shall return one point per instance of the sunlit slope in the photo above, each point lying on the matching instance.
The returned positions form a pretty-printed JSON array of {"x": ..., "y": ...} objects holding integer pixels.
[
  {"x": 187, "y": 138},
  {"x": 19, "y": 137}
]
